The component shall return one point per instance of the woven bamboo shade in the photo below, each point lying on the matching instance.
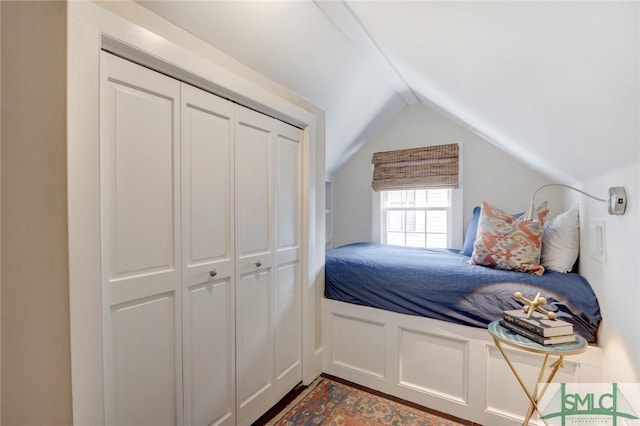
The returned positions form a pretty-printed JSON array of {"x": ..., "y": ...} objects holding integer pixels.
[{"x": 416, "y": 168}]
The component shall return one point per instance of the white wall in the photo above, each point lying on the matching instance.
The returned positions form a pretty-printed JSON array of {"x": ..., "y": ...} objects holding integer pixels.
[
  {"x": 35, "y": 380},
  {"x": 488, "y": 173},
  {"x": 616, "y": 283}
]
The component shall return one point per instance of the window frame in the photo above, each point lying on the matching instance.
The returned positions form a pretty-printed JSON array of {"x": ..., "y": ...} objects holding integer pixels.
[{"x": 454, "y": 223}]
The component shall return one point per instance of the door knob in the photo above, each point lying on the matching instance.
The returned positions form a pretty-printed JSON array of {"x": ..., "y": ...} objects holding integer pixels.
[
  {"x": 258, "y": 263},
  {"x": 213, "y": 273}
]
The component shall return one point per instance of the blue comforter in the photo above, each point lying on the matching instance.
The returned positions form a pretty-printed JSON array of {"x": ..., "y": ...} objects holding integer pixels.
[{"x": 442, "y": 284}]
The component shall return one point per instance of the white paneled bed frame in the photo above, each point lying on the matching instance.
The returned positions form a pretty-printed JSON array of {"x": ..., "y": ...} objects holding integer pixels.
[{"x": 448, "y": 367}]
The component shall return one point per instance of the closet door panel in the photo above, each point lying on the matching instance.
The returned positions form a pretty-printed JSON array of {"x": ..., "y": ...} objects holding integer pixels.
[
  {"x": 254, "y": 239},
  {"x": 288, "y": 336},
  {"x": 288, "y": 201},
  {"x": 207, "y": 184},
  {"x": 253, "y": 183},
  {"x": 140, "y": 160},
  {"x": 209, "y": 363},
  {"x": 144, "y": 361},
  {"x": 287, "y": 295},
  {"x": 140, "y": 183},
  {"x": 255, "y": 354},
  {"x": 287, "y": 160},
  {"x": 208, "y": 271},
  {"x": 140, "y": 220}
]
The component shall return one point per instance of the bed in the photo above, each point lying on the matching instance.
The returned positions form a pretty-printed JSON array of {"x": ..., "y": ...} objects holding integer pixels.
[
  {"x": 412, "y": 323},
  {"x": 443, "y": 284}
]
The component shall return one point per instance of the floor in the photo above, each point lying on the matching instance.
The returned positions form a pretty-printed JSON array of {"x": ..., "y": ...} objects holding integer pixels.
[
  {"x": 284, "y": 402},
  {"x": 281, "y": 405}
]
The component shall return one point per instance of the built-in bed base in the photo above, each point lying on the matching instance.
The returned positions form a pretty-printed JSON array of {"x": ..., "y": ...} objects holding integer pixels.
[{"x": 448, "y": 367}]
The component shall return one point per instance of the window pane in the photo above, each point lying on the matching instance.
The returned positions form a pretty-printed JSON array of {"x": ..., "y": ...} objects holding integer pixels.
[
  {"x": 411, "y": 221},
  {"x": 438, "y": 198},
  {"x": 395, "y": 238},
  {"x": 415, "y": 239},
  {"x": 437, "y": 240},
  {"x": 421, "y": 198},
  {"x": 416, "y": 218},
  {"x": 395, "y": 221},
  {"x": 409, "y": 198},
  {"x": 437, "y": 221},
  {"x": 420, "y": 221},
  {"x": 393, "y": 198}
]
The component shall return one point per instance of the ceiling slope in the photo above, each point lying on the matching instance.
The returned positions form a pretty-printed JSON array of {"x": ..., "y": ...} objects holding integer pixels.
[
  {"x": 296, "y": 45},
  {"x": 556, "y": 84}
]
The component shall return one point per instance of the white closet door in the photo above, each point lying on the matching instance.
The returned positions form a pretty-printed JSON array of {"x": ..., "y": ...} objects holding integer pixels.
[
  {"x": 140, "y": 214},
  {"x": 268, "y": 295},
  {"x": 208, "y": 256},
  {"x": 287, "y": 253},
  {"x": 254, "y": 233}
]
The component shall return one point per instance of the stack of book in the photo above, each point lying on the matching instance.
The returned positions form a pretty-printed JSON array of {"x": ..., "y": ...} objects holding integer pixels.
[{"x": 538, "y": 327}]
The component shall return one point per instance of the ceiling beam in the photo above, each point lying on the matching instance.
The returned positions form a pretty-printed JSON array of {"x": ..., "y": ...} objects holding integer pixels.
[{"x": 345, "y": 20}]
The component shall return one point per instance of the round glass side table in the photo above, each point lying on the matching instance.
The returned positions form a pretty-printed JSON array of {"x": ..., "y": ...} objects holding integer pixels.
[{"x": 503, "y": 335}]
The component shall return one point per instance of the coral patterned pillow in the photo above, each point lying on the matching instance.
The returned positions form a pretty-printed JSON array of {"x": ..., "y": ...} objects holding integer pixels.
[{"x": 505, "y": 242}]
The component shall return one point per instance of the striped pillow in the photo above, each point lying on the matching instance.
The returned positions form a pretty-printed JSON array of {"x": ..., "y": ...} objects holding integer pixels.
[{"x": 505, "y": 242}]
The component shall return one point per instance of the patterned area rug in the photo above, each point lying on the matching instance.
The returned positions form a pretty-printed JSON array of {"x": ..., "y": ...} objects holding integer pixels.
[{"x": 327, "y": 402}]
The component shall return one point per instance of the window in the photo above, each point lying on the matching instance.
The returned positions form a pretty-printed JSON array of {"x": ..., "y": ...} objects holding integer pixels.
[
  {"x": 417, "y": 218},
  {"x": 419, "y": 201}
]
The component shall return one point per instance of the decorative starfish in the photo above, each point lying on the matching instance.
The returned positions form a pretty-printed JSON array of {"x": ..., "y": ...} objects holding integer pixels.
[{"x": 534, "y": 305}]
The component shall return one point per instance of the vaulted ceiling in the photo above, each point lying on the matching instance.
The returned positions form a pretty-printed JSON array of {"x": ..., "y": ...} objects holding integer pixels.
[{"x": 556, "y": 84}]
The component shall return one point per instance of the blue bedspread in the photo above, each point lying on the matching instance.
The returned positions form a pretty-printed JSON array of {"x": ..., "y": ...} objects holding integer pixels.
[{"x": 442, "y": 284}]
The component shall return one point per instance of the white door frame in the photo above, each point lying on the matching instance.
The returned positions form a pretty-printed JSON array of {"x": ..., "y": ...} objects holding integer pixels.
[{"x": 87, "y": 24}]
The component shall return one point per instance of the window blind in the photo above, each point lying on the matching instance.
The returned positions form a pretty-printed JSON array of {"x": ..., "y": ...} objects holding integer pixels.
[{"x": 416, "y": 168}]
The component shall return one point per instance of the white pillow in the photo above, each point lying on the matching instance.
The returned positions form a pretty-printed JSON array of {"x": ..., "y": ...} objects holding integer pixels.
[{"x": 561, "y": 241}]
